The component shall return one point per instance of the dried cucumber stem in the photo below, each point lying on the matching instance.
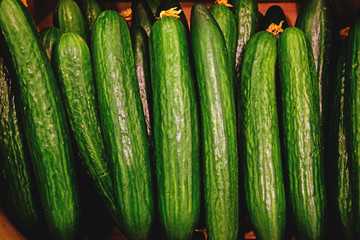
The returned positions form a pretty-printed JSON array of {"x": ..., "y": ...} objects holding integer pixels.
[
  {"x": 172, "y": 12},
  {"x": 344, "y": 33},
  {"x": 275, "y": 29},
  {"x": 202, "y": 231},
  {"x": 25, "y": 3},
  {"x": 223, "y": 2},
  {"x": 126, "y": 14}
]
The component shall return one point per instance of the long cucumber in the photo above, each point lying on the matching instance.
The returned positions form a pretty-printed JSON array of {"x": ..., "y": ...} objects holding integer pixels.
[
  {"x": 218, "y": 125},
  {"x": 45, "y": 124},
  {"x": 123, "y": 123}
]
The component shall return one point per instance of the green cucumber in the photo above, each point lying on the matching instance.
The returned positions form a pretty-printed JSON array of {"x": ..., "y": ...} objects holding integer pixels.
[
  {"x": 67, "y": 17},
  {"x": 246, "y": 16},
  {"x": 90, "y": 11},
  {"x": 314, "y": 19},
  {"x": 153, "y": 4},
  {"x": 175, "y": 128},
  {"x": 226, "y": 20},
  {"x": 73, "y": 65},
  {"x": 274, "y": 14},
  {"x": 352, "y": 117},
  {"x": 140, "y": 45},
  {"x": 123, "y": 123},
  {"x": 218, "y": 125},
  {"x": 45, "y": 124},
  {"x": 167, "y": 4},
  {"x": 49, "y": 36},
  {"x": 142, "y": 15},
  {"x": 264, "y": 185},
  {"x": 340, "y": 203},
  {"x": 19, "y": 196},
  {"x": 303, "y": 151}
]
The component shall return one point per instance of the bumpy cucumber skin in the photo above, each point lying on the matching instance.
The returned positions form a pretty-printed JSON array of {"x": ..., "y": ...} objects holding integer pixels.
[
  {"x": 49, "y": 36},
  {"x": 339, "y": 185},
  {"x": 264, "y": 184},
  {"x": 246, "y": 17},
  {"x": 91, "y": 9},
  {"x": 352, "y": 117},
  {"x": 72, "y": 61},
  {"x": 140, "y": 45},
  {"x": 226, "y": 21},
  {"x": 142, "y": 15},
  {"x": 45, "y": 124},
  {"x": 67, "y": 17},
  {"x": 123, "y": 123},
  {"x": 315, "y": 20},
  {"x": 175, "y": 128},
  {"x": 302, "y": 135},
  {"x": 19, "y": 196},
  {"x": 218, "y": 126}
]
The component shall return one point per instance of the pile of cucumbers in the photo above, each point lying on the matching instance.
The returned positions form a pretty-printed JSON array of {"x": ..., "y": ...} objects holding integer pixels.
[{"x": 184, "y": 132}]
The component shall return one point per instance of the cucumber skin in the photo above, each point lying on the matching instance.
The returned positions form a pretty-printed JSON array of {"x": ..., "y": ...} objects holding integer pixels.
[
  {"x": 352, "y": 116},
  {"x": 142, "y": 15},
  {"x": 340, "y": 193},
  {"x": 246, "y": 17},
  {"x": 123, "y": 123},
  {"x": 314, "y": 19},
  {"x": 49, "y": 36},
  {"x": 218, "y": 126},
  {"x": 153, "y": 4},
  {"x": 176, "y": 129},
  {"x": 90, "y": 11},
  {"x": 226, "y": 20},
  {"x": 19, "y": 196},
  {"x": 73, "y": 65},
  {"x": 264, "y": 185},
  {"x": 140, "y": 45},
  {"x": 45, "y": 124},
  {"x": 302, "y": 135},
  {"x": 67, "y": 17}
]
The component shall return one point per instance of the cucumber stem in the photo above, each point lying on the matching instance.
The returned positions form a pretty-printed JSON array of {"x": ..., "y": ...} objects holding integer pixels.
[
  {"x": 223, "y": 2},
  {"x": 172, "y": 12},
  {"x": 127, "y": 13}
]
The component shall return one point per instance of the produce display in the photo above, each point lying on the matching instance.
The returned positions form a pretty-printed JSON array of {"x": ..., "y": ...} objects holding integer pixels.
[{"x": 201, "y": 126}]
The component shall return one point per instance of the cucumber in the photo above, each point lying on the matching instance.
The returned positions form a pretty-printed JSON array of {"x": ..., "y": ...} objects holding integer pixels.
[
  {"x": 246, "y": 16},
  {"x": 19, "y": 196},
  {"x": 274, "y": 14},
  {"x": 153, "y": 4},
  {"x": 45, "y": 126},
  {"x": 352, "y": 116},
  {"x": 142, "y": 15},
  {"x": 73, "y": 66},
  {"x": 49, "y": 36},
  {"x": 314, "y": 19},
  {"x": 123, "y": 123},
  {"x": 140, "y": 46},
  {"x": 67, "y": 17},
  {"x": 175, "y": 128},
  {"x": 302, "y": 135},
  {"x": 263, "y": 179},
  {"x": 167, "y": 4},
  {"x": 226, "y": 20},
  {"x": 90, "y": 11},
  {"x": 340, "y": 204},
  {"x": 218, "y": 116}
]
